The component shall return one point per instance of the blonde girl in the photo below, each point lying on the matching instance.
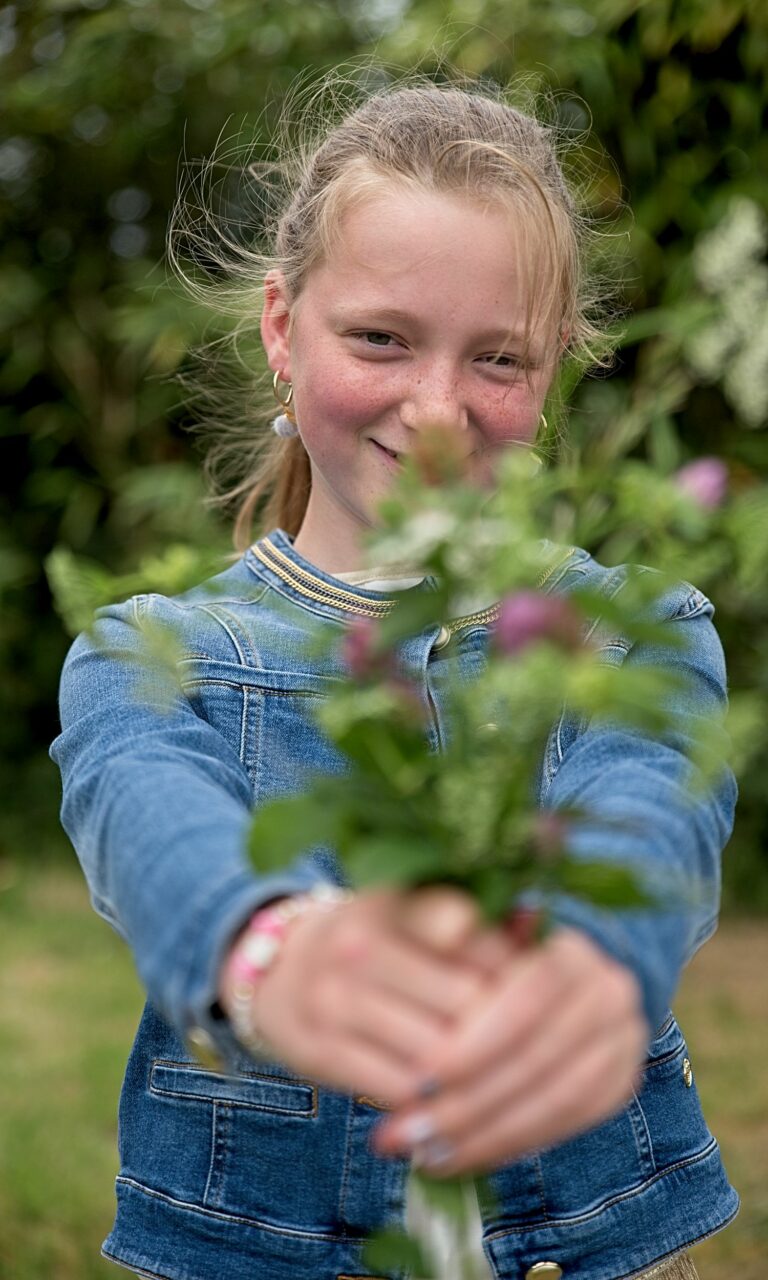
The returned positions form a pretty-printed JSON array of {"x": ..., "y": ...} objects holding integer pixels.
[{"x": 301, "y": 1044}]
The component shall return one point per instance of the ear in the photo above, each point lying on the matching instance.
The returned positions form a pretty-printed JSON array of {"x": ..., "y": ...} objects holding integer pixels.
[{"x": 275, "y": 321}]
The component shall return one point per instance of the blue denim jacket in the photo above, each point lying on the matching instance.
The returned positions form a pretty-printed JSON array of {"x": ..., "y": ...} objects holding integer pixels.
[{"x": 245, "y": 1170}]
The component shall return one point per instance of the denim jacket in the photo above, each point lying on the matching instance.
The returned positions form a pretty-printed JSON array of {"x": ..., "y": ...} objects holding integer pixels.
[{"x": 241, "y": 1169}]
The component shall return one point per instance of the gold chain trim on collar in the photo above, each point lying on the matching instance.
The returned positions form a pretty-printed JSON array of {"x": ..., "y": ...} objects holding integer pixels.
[{"x": 309, "y": 584}]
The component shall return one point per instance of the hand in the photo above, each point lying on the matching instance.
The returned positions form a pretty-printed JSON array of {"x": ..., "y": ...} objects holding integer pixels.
[
  {"x": 359, "y": 993},
  {"x": 551, "y": 1048}
]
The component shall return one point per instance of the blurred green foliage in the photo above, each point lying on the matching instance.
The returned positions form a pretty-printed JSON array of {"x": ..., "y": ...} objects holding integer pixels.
[{"x": 664, "y": 105}]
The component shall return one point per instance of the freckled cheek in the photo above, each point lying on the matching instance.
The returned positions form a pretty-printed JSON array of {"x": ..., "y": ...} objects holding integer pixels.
[
  {"x": 509, "y": 418},
  {"x": 348, "y": 402}
]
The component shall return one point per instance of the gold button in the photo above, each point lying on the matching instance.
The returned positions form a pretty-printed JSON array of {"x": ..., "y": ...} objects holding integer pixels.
[
  {"x": 687, "y": 1073},
  {"x": 442, "y": 638},
  {"x": 544, "y": 1271},
  {"x": 201, "y": 1044}
]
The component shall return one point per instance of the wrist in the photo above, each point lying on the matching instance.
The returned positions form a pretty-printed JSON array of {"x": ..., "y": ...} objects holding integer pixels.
[{"x": 256, "y": 950}]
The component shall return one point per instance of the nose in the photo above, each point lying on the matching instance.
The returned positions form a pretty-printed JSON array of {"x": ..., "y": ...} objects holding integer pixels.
[{"x": 435, "y": 398}]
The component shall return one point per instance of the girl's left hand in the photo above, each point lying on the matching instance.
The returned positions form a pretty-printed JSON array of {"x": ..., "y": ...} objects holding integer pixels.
[{"x": 556, "y": 1046}]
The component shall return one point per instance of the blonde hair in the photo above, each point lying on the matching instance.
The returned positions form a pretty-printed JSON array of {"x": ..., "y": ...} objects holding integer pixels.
[{"x": 453, "y": 140}]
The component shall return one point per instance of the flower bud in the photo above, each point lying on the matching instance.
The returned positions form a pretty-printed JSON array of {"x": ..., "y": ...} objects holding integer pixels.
[
  {"x": 530, "y": 616},
  {"x": 705, "y": 480},
  {"x": 440, "y": 455},
  {"x": 523, "y": 927}
]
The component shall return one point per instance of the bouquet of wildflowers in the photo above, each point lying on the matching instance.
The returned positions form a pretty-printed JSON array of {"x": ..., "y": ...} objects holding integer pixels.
[{"x": 418, "y": 808}]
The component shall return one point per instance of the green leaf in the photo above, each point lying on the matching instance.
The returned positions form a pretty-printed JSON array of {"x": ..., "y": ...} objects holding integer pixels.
[
  {"x": 395, "y": 859},
  {"x": 391, "y": 751},
  {"x": 602, "y": 883},
  {"x": 390, "y": 1249},
  {"x": 283, "y": 828},
  {"x": 493, "y": 888}
]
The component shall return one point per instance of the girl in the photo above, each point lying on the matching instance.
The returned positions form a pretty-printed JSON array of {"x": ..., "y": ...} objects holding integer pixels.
[{"x": 301, "y": 1045}]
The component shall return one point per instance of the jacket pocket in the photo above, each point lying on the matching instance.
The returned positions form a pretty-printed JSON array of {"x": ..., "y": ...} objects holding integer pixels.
[{"x": 257, "y": 1144}]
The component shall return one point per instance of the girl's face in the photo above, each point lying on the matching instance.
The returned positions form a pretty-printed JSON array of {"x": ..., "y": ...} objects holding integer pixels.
[{"x": 416, "y": 319}]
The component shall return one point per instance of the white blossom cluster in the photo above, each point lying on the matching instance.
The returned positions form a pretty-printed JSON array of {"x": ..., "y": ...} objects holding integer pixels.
[{"x": 729, "y": 263}]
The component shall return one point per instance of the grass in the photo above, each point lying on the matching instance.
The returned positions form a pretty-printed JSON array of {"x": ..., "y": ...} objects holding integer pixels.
[{"x": 69, "y": 1001}]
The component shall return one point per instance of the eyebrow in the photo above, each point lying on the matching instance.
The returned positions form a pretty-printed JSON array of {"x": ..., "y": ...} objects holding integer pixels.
[{"x": 392, "y": 315}]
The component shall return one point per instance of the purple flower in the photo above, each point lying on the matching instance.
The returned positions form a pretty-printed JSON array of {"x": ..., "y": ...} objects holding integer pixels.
[
  {"x": 529, "y": 616},
  {"x": 705, "y": 480}
]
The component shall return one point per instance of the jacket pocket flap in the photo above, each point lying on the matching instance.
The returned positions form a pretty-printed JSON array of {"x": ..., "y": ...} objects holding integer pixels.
[{"x": 261, "y": 1092}]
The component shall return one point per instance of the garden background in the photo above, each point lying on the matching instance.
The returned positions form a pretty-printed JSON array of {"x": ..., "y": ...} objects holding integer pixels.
[{"x": 665, "y": 102}]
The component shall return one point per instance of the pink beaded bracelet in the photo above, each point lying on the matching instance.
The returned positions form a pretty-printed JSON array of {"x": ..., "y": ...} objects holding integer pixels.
[{"x": 255, "y": 951}]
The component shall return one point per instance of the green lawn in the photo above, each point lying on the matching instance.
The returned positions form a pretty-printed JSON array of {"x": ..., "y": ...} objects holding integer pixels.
[{"x": 68, "y": 1004}]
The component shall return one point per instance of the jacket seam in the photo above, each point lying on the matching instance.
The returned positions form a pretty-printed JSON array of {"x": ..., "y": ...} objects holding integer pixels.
[
  {"x": 642, "y": 1134},
  {"x": 244, "y": 723},
  {"x": 347, "y": 1161},
  {"x": 213, "y": 613},
  {"x": 133, "y": 1266},
  {"x": 640, "y": 1272},
  {"x": 665, "y": 1057},
  {"x": 242, "y": 1219},
  {"x": 575, "y": 1219}
]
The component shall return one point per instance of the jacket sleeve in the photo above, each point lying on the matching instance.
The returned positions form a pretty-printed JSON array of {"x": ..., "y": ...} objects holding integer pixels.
[
  {"x": 157, "y": 804},
  {"x": 662, "y": 821}
]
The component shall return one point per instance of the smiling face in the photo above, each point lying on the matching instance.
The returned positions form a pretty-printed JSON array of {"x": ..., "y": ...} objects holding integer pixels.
[{"x": 416, "y": 318}]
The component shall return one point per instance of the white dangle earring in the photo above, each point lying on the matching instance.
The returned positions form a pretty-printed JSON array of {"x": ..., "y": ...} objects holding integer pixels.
[{"x": 285, "y": 423}]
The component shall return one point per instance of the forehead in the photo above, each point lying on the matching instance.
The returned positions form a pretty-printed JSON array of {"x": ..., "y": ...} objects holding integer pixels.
[{"x": 436, "y": 249}]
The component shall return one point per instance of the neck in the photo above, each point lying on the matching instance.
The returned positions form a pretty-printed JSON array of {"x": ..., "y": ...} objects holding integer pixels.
[{"x": 330, "y": 539}]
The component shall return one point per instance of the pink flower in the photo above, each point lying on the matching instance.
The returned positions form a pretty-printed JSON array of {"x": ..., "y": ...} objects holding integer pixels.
[
  {"x": 361, "y": 652},
  {"x": 705, "y": 480},
  {"x": 529, "y": 616}
]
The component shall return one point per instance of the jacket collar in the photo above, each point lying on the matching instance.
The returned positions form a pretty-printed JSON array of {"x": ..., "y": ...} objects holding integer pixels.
[{"x": 275, "y": 560}]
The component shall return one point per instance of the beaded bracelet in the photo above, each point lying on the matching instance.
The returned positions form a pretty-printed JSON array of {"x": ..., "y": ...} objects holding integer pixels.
[{"x": 256, "y": 950}]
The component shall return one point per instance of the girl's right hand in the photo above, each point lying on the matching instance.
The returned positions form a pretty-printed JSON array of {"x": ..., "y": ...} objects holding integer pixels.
[{"x": 358, "y": 994}]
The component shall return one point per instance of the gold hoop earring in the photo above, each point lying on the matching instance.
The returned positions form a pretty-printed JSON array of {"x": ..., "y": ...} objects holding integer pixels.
[
  {"x": 543, "y": 424},
  {"x": 285, "y": 423}
]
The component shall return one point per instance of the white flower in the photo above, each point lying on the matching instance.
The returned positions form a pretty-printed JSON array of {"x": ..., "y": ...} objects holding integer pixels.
[
  {"x": 708, "y": 349},
  {"x": 732, "y": 248}
]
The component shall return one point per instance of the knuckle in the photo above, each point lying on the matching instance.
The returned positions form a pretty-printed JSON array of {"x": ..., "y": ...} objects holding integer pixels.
[
  {"x": 570, "y": 954},
  {"x": 463, "y": 991},
  {"x": 350, "y": 938},
  {"x": 327, "y": 998}
]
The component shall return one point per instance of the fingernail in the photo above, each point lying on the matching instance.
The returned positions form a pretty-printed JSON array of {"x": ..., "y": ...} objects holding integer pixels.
[
  {"x": 417, "y": 1128},
  {"x": 428, "y": 1088},
  {"x": 433, "y": 1154}
]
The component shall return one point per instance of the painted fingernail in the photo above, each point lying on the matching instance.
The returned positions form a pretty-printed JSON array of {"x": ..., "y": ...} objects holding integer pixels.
[
  {"x": 417, "y": 1128},
  {"x": 428, "y": 1088},
  {"x": 431, "y": 1155}
]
